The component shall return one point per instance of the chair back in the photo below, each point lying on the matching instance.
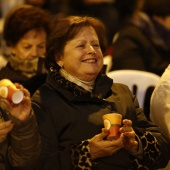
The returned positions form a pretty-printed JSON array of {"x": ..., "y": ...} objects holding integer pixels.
[{"x": 137, "y": 81}]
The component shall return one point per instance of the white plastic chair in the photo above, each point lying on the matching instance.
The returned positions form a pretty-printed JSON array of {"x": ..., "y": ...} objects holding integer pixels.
[{"x": 142, "y": 80}]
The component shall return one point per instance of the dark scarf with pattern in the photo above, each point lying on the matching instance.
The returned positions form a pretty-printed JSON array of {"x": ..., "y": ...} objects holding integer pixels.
[{"x": 64, "y": 83}]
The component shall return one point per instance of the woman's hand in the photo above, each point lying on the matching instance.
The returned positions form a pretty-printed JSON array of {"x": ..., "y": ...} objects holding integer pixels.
[
  {"x": 5, "y": 128},
  {"x": 101, "y": 148},
  {"x": 130, "y": 143},
  {"x": 22, "y": 110}
]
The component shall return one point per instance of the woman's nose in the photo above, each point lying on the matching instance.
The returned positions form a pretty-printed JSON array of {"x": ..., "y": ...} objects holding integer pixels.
[
  {"x": 91, "y": 49},
  {"x": 34, "y": 53}
]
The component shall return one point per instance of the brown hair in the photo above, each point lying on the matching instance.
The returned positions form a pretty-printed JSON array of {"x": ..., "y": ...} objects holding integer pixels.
[
  {"x": 22, "y": 19},
  {"x": 66, "y": 29}
]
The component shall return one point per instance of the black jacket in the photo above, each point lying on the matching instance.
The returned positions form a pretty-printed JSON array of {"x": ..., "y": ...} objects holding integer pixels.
[
  {"x": 67, "y": 114},
  {"x": 142, "y": 46},
  {"x": 21, "y": 149}
]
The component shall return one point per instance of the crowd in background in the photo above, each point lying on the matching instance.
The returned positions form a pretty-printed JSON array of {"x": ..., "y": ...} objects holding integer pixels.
[{"x": 112, "y": 12}]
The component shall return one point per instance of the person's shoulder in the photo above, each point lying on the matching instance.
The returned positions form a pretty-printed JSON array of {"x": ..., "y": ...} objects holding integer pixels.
[
  {"x": 166, "y": 74},
  {"x": 120, "y": 87},
  {"x": 162, "y": 89},
  {"x": 130, "y": 31},
  {"x": 163, "y": 86},
  {"x": 131, "y": 35},
  {"x": 43, "y": 92}
]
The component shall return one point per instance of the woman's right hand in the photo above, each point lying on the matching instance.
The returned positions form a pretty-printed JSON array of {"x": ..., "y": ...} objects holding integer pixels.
[
  {"x": 22, "y": 110},
  {"x": 5, "y": 128},
  {"x": 100, "y": 147}
]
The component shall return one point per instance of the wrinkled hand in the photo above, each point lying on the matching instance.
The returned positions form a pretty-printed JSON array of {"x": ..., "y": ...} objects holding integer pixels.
[
  {"x": 5, "y": 128},
  {"x": 130, "y": 143},
  {"x": 101, "y": 148},
  {"x": 22, "y": 110}
]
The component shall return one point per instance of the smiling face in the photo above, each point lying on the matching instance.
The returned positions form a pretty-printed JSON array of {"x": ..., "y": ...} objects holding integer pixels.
[
  {"x": 82, "y": 56},
  {"x": 31, "y": 45}
]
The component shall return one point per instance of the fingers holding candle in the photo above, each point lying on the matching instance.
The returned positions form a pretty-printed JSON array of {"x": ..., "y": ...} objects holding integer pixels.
[
  {"x": 112, "y": 122},
  {"x": 10, "y": 92}
]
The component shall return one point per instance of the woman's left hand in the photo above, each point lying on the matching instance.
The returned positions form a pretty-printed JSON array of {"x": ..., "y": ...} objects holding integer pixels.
[
  {"x": 130, "y": 143},
  {"x": 22, "y": 110}
]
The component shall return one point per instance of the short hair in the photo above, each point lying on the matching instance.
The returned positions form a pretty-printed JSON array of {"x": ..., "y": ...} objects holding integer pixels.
[
  {"x": 23, "y": 18},
  {"x": 157, "y": 7},
  {"x": 66, "y": 29}
]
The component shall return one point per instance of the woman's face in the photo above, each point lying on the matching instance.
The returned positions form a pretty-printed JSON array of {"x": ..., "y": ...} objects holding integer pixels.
[
  {"x": 82, "y": 56},
  {"x": 31, "y": 45}
]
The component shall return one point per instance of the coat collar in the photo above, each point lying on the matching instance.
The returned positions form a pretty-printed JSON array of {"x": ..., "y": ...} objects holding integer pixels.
[{"x": 73, "y": 92}]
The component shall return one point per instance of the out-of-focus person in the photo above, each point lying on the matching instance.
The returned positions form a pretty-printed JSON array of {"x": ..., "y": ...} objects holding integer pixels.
[
  {"x": 144, "y": 42},
  {"x": 5, "y": 6},
  {"x": 160, "y": 107},
  {"x": 70, "y": 105},
  {"x": 19, "y": 136},
  {"x": 26, "y": 29}
]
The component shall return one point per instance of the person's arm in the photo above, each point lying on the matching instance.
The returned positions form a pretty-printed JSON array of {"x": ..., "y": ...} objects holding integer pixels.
[
  {"x": 155, "y": 144},
  {"x": 24, "y": 148},
  {"x": 159, "y": 103},
  {"x": 23, "y": 137}
]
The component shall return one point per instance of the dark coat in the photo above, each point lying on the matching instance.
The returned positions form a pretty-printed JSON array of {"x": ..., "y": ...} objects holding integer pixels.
[
  {"x": 67, "y": 114},
  {"x": 21, "y": 148},
  {"x": 134, "y": 49}
]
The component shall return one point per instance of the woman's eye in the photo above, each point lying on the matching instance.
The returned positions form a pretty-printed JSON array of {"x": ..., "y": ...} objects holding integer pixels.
[
  {"x": 41, "y": 46},
  {"x": 27, "y": 47},
  {"x": 81, "y": 45},
  {"x": 96, "y": 45}
]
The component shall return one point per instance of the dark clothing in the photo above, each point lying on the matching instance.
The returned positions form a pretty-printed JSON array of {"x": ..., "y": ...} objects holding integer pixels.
[
  {"x": 67, "y": 115},
  {"x": 31, "y": 84},
  {"x": 143, "y": 44},
  {"x": 21, "y": 149}
]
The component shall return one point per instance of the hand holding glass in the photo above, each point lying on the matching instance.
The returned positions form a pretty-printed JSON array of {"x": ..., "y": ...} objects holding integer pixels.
[
  {"x": 112, "y": 122},
  {"x": 10, "y": 92}
]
